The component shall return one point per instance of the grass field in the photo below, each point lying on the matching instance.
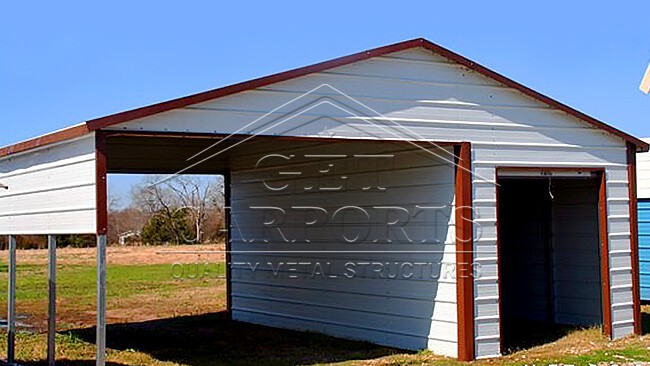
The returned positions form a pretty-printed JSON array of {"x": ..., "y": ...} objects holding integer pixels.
[{"x": 155, "y": 319}]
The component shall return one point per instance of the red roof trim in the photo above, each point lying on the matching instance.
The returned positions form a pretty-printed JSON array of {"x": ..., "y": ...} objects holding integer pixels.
[
  {"x": 52, "y": 138},
  {"x": 249, "y": 85},
  {"x": 103, "y": 122},
  {"x": 640, "y": 144}
]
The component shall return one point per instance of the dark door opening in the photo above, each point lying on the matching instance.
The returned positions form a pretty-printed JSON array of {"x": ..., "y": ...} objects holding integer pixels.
[{"x": 549, "y": 258}]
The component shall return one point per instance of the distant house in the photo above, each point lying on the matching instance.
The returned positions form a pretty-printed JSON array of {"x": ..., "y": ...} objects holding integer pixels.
[
  {"x": 128, "y": 236},
  {"x": 404, "y": 195}
]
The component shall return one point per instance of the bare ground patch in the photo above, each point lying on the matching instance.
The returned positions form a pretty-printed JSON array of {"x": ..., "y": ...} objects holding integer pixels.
[
  {"x": 184, "y": 323},
  {"x": 124, "y": 255}
]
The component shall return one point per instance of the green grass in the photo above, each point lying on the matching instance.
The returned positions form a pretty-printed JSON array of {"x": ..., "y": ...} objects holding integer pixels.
[
  {"x": 79, "y": 281},
  {"x": 625, "y": 355},
  {"x": 187, "y": 326}
]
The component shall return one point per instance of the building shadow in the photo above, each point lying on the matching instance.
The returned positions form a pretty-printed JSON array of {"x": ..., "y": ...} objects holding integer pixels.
[
  {"x": 645, "y": 322},
  {"x": 65, "y": 362},
  {"x": 214, "y": 339},
  {"x": 524, "y": 334}
]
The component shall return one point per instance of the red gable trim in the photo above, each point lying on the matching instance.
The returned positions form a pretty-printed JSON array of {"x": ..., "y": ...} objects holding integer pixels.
[
  {"x": 103, "y": 122},
  {"x": 52, "y": 138},
  {"x": 249, "y": 85}
]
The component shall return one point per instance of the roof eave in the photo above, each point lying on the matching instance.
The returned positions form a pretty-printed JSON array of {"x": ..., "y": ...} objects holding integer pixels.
[
  {"x": 44, "y": 140},
  {"x": 121, "y": 117}
]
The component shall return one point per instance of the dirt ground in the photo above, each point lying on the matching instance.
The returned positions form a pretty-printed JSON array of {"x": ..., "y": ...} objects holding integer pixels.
[
  {"x": 158, "y": 320},
  {"x": 138, "y": 308},
  {"x": 148, "y": 299},
  {"x": 124, "y": 255}
]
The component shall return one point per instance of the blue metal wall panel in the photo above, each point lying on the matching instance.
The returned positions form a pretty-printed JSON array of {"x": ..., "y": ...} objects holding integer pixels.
[{"x": 644, "y": 247}]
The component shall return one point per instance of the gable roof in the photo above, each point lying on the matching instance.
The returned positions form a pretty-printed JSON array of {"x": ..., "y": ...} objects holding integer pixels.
[{"x": 113, "y": 119}]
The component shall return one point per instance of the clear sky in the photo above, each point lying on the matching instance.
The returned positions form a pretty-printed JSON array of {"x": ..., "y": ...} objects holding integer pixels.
[{"x": 64, "y": 62}]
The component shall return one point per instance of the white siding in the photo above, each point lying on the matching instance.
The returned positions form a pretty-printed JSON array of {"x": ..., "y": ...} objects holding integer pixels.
[
  {"x": 576, "y": 252},
  {"x": 400, "y": 306},
  {"x": 441, "y": 101},
  {"x": 51, "y": 190},
  {"x": 643, "y": 174}
]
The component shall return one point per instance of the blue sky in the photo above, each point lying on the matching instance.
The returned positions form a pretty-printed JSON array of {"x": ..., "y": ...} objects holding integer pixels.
[{"x": 65, "y": 62}]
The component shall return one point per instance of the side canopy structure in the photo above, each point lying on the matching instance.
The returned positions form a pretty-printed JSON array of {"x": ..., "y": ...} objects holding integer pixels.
[{"x": 48, "y": 191}]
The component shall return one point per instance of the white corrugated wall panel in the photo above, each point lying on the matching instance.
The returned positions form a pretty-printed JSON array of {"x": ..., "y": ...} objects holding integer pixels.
[
  {"x": 576, "y": 252},
  {"x": 433, "y": 99},
  {"x": 410, "y": 304},
  {"x": 51, "y": 190},
  {"x": 643, "y": 174}
]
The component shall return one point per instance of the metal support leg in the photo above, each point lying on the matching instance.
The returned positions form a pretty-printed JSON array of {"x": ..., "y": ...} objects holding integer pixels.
[
  {"x": 11, "y": 301},
  {"x": 101, "y": 300},
  {"x": 51, "y": 313}
]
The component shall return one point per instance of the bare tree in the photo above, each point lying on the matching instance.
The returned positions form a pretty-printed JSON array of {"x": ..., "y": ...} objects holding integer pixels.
[
  {"x": 197, "y": 197},
  {"x": 114, "y": 200},
  {"x": 123, "y": 218}
]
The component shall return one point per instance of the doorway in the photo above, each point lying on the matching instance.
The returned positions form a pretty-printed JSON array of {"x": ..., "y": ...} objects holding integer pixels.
[{"x": 549, "y": 250}]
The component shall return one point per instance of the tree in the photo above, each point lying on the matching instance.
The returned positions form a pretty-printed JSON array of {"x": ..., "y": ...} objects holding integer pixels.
[
  {"x": 180, "y": 207},
  {"x": 76, "y": 241},
  {"x": 157, "y": 230}
]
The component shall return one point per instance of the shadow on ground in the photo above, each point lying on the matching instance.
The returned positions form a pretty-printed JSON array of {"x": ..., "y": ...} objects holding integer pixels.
[
  {"x": 68, "y": 363},
  {"x": 645, "y": 319},
  {"x": 524, "y": 334},
  {"x": 214, "y": 339}
]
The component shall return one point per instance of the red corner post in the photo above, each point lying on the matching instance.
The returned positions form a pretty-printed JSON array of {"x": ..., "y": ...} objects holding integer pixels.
[
  {"x": 102, "y": 226},
  {"x": 634, "y": 236},
  {"x": 464, "y": 252},
  {"x": 100, "y": 182},
  {"x": 604, "y": 255}
]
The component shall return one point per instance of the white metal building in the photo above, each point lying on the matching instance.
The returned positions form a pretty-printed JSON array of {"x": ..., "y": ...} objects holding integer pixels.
[
  {"x": 643, "y": 195},
  {"x": 643, "y": 174},
  {"x": 404, "y": 195}
]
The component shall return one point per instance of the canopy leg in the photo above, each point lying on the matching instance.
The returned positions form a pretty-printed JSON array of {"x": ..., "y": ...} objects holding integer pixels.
[
  {"x": 11, "y": 301},
  {"x": 51, "y": 312},
  {"x": 101, "y": 300}
]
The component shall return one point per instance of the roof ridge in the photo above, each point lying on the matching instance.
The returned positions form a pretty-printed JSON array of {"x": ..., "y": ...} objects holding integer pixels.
[{"x": 125, "y": 116}]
